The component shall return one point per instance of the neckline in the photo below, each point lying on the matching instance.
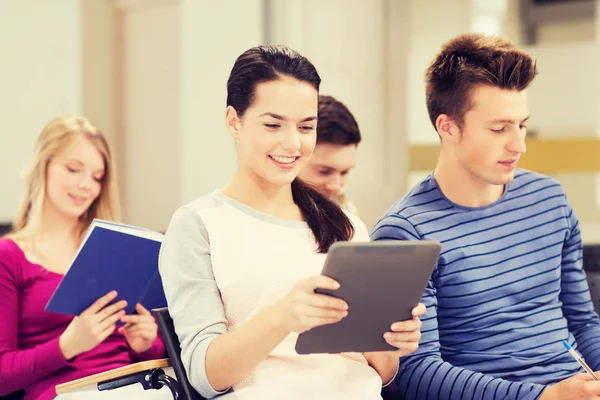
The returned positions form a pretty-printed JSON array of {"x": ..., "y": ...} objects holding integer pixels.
[
  {"x": 24, "y": 257},
  {"x": 254, "y": 213},
  {"x": 507, "y": 189}
]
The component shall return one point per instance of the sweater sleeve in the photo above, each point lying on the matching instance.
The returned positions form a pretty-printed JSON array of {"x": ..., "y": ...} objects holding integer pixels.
[
  {"x": 192, "y": 294},
  {"x": 20, "y": 368},
  {"x": 424, "y": 374},
  {"x": 577, "y": 306}
]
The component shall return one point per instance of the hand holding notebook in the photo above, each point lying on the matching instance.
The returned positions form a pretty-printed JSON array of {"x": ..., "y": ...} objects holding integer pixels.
[
  {"x": 92, "y": 326},
  {"x": 111, "y": 257}
]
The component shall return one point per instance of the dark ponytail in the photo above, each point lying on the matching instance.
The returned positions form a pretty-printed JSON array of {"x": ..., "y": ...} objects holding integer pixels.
[
  {"x": 260, "y": 64},
  {"x": 325, "y": 219}
]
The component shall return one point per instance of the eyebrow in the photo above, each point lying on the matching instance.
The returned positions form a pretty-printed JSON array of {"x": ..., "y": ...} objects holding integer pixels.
[
  {"x": 330, "y": 167},
  {"x": 506, "y": 121},
  {"x": 103, "y": 170},
  {"x": 281, "y": 118}
]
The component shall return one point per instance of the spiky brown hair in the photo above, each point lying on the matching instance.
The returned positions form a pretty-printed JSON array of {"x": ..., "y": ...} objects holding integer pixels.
[{"x": 470, "y": 60}]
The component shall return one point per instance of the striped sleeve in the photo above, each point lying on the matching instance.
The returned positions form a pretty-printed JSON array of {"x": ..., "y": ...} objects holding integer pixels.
[
  {"x": 424, "y": 374},
  {"x": 577, "y": 305}
]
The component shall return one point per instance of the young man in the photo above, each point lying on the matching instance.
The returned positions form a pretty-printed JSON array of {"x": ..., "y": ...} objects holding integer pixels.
[
  {"x": 509, "y": 285},
  {"x": 338, "y": 137}
]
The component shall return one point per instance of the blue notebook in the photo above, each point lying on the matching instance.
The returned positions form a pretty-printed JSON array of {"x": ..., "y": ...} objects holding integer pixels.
[{"x": 112, "y": 257}]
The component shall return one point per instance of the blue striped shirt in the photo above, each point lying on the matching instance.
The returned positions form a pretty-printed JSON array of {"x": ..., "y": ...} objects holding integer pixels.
[{"x": 508, "y": 288}]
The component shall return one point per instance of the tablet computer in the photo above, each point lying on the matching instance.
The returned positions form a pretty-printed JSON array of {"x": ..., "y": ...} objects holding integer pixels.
[{"x": 382, "y": 282}]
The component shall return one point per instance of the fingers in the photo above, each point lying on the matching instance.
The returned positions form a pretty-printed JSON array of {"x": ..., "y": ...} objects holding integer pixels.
[
  {"x": 406, "y": 342},
  {"x": 146, "y": 331},
  {"x": 106, "y": 332},
  {"x": 405, "y": 336},
  {"x": 141, "y": 309},
  {"x": 419, "y": 310},
  {"x": 143, "y": 322},
  {"x": 125, "y": 326},
  {"x": 110, "y": 321},
  {"x": 394, "y": 338},
  {"x": 137, "y": 319},
  {"x": 404, "y": 348},
  {"x": 583, "y": 376},
  {"x": 321, "y": 300},
  {"x": 100, "y": 303},
  {"x": 320, "y": 306},
  {"x": 143, "y": 316},
  {"x": 320, "y": 281},
  {"x": 325, "y": 301},
  {"x": 320, "y": 312},
  {"x": 406, "y": 326},
  {"x": 313, "y": 321},
  {"x": 111, "y": 310},
  {"x": 591, "y": 387}
]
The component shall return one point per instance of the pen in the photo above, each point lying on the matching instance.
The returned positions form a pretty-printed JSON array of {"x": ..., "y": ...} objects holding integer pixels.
[{"x": 579, "y": 359}]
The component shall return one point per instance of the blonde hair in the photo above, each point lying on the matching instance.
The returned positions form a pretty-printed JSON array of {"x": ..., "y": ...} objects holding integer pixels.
[{"x": 56, "y": 136}]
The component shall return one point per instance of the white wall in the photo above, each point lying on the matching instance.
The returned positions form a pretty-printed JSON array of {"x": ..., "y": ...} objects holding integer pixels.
[
  {"x": 567, "y": 31},
  {"x": 174, "y": 59},
  {"x": 351, "y": 54},
  {"x": 40, "y": 78},
  {"x": 98, "y": 45},
  {"x": 565, "y": 103},
  {"x": 349, "y": 42},
  {"x": 371, "y": 55},
  {"x": 431, "y": 23},
  {"x": 563, "y": 99},
  {"x": 149, "y": 95},
  {"x": 213, "y": 35}
]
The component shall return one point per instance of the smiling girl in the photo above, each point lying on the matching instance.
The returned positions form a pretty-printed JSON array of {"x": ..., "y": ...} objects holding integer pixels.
[
  {"x": 240, "y": 265},
  {"x": 71, "y": 182}
]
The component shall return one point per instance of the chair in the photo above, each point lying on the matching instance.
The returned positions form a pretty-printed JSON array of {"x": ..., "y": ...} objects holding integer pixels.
[
  {"x": 391, "y": 392},
  {"x": 167, "y": 330},
  {"x": 151, "y": 374},
  {"x": 591, "y": 265},
  {"x": 14, "y": 396},
  {"x": 5, "y": 227},
  {"x": 165, "y": 324}
]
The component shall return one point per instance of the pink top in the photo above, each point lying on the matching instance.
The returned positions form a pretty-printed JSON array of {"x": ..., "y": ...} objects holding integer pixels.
[{"x": 30, "y": 357}]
